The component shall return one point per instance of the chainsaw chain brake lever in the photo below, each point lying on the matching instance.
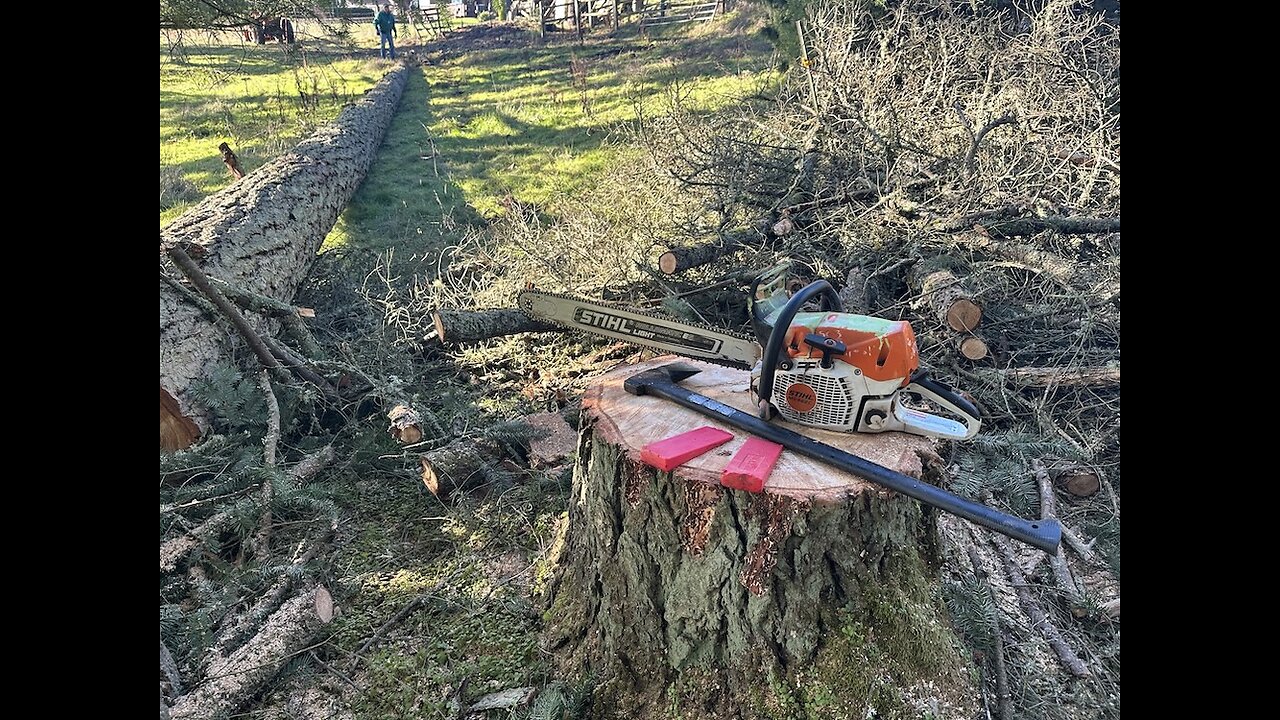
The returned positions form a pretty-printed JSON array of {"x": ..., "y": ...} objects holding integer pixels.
[{"x": 922, "y": 423}]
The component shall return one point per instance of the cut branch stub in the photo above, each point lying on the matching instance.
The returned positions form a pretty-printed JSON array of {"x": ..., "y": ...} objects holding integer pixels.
[
  {"x": 951, "y": 301},
  {"x": 458, "y": 326}
]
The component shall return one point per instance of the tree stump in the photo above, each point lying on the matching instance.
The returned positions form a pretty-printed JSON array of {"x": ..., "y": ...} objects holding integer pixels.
[{"x": 818, "y": 593}]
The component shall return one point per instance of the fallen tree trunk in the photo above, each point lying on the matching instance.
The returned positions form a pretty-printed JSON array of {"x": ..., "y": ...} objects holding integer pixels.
[
  {"x": 458, "y": 326},
  {"x": 667, "y": 573},
  {"x": 261, "y": 234},
  {"x": 1061, "y": 376},
  {"x": 234, "y": 680}
]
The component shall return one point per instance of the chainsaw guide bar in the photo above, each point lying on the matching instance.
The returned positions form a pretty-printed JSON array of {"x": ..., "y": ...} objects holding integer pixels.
[{"x": 651, "y": 330}]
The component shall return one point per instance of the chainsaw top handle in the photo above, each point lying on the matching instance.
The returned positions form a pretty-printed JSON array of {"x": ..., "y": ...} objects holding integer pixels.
[{"x": 773, "y": 352}]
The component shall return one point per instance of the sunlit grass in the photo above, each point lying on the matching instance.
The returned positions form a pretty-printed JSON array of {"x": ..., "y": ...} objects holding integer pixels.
[
  {"x": 258, "y": 99},
  {"x": 531, "y": 124}
]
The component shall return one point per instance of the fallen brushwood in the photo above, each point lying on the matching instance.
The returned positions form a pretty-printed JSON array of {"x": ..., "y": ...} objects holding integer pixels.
[
  {"x": 1035, "y": 613},
  {"x": 232, "y": 681}
]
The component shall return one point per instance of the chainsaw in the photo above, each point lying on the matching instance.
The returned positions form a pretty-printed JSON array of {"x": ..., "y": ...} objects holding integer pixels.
[{"x": 825, "y": 369}]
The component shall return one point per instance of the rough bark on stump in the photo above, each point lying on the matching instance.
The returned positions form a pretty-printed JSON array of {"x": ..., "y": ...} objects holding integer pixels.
[
  {"x": 234, "y": 680},
  {"x": 261, "y": 234},
  {"x": 818, "y": 587}
]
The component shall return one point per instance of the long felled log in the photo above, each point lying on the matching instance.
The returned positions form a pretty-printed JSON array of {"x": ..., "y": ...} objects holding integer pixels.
[
  {"x": 457, "y": 326},
  {"x": 232, "y": 681},
  {"x": 821, "y": 583},
  {"x": 261, "y": 234}
]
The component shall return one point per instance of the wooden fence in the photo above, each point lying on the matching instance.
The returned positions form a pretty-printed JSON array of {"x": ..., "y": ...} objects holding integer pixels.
[{"x": 580, "y": 15}]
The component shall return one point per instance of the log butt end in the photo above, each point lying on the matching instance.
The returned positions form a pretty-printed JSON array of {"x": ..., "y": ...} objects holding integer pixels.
[
  {"x": 973, "y": 348},
  {"x": 177, "y": 430}
]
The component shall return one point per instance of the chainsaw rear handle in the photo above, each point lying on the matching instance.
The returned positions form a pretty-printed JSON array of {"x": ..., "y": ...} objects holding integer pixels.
[{"x": 778, "y": 333}]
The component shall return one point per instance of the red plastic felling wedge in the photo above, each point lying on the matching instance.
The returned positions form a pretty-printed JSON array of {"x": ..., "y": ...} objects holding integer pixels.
[
  {"x": 751, "y": 466},
  {"x": 679, "y": 449}
]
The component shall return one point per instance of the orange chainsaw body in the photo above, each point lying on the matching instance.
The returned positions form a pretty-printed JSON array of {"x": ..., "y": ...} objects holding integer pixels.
[{"x": 882, "y": 349}]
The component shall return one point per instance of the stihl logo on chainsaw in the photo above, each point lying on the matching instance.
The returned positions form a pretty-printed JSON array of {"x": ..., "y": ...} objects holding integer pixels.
[
  {"x": 640, "y": 329},
  {"x": 601, "y": 320},
  {"x": 801, "y": 397}
]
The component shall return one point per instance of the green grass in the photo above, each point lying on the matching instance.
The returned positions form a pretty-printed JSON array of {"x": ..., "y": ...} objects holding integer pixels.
[
  {"x": 529, "y": 123},
  {"x": 258, "y": 99}
]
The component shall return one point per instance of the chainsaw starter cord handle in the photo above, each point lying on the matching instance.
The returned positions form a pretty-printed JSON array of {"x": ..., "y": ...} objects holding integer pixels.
[{"x": 773, "y": 349}]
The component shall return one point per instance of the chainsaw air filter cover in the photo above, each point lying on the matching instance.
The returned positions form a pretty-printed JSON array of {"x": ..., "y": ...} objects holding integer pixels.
[{"x": 828, "y": 398}]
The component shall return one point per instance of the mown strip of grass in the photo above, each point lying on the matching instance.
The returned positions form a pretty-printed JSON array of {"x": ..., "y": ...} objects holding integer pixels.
[{"x": 528, "y": 123}]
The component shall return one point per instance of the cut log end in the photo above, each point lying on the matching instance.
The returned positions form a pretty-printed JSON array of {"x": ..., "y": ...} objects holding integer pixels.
[
  {"x": 973, "y": 348},
  {"x": 951, "y": 301},
  {"x": 1080, "y": 482},
  {"x": 439, "y": 325},
  {"x": 668, "y": 263},
  {"x": 406, "y": 424},
  {"x": 177, "y": 431},
  {"x": 964, "y": 315},
  {"x": 324, "y": 605}
]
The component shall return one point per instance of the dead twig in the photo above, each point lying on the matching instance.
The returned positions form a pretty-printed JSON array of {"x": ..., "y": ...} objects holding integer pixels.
[
  {"x": 1048, "y": 511},
  {"x": 262, "y": 540},
  {"x": 1035, "y": 613}
]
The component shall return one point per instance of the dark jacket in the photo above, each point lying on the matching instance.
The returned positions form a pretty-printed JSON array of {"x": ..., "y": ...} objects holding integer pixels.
[{"x": 385, "y": 22}]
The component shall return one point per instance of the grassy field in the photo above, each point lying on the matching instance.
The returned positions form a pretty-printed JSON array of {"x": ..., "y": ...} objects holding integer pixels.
[
  {"x": 529, "y": 123},
  {"x": 261, "y": 100}
]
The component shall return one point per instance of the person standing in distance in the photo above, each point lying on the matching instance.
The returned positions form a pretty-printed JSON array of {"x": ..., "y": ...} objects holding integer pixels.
[{"x": 385, "y": 24}]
